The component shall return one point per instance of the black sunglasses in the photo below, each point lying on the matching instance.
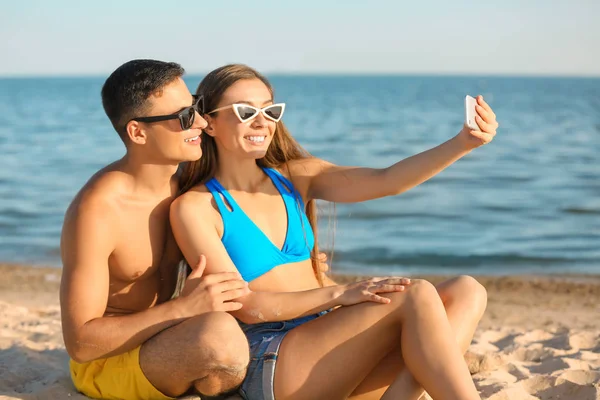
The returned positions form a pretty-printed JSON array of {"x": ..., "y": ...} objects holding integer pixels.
[{"x": 186, "y": 116}]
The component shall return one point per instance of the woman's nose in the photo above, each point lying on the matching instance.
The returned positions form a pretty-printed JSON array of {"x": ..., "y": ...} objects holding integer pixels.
[{"x": 259, "y": 120}]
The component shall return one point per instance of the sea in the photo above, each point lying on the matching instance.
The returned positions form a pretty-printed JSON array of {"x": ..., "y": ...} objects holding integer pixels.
[{"x": 527, "y": 203}]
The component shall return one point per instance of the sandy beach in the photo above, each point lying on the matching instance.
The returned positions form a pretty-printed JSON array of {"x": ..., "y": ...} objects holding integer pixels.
[{"x": 539, "y": 339}]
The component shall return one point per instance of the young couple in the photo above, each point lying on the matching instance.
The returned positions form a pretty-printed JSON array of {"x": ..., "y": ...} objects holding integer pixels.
[{"x": 256, "y": 314}]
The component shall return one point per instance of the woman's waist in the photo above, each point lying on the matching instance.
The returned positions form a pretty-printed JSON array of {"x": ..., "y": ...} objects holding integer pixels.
[
  {"x": 292, "y": 277},
  {"x": 256, "y": 330}
]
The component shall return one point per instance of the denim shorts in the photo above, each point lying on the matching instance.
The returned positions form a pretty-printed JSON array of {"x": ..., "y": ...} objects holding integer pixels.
[{"x": 264, "y": 340}]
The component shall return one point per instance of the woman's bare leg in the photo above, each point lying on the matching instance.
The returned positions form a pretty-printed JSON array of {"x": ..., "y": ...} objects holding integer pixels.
[
  {"x": 465, "y": 301},
  {"x": 389, "y": 370},
  {"x": 329, "y": 357}
]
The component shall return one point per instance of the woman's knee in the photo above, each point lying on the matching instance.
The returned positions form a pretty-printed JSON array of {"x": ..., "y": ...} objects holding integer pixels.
[
  {"x": 422, "y": 291},
  {"x": 467, "y": 289},
  {"x": 420, "y": 294},
  {"x": 472, "y": 286}
]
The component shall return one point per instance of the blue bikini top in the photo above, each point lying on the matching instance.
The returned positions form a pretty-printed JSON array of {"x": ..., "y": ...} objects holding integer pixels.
[{"x": 252, "y": 252}]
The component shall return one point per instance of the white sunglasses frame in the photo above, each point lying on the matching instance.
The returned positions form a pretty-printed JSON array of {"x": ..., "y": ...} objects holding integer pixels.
[{"x": 258, "y": 110}]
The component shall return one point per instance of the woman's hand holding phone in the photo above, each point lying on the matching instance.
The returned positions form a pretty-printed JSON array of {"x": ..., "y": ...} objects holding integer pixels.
[{"x": 480, "y": 123}]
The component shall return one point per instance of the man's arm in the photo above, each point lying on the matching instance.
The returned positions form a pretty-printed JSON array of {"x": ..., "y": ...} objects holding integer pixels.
[
  {"x": 324, "y": 268},
  {"x": 87, "y": 241},
  {"x": 168, "y": 268},
  {"x": 86, "y": 244}
]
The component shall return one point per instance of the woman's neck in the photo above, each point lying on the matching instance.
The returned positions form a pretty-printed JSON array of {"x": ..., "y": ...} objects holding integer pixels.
[{"x": 240, "y": 174}]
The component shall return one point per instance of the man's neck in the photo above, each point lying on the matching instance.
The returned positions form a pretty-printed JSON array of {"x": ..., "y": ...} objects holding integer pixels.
[{"x": 149, "y": 178}]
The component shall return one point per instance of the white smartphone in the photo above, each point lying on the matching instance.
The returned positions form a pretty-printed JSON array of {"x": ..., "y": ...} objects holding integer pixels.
[{"x": 470, "y": 113}]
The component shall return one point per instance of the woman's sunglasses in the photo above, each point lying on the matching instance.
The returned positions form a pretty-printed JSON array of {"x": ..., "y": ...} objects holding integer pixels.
[
  {"x": 245, "y": 113},
  {"x": 186, "y": 116}
]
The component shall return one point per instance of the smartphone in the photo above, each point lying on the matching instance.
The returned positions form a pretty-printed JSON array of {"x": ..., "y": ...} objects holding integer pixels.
[{"x": 470, "y": 113}]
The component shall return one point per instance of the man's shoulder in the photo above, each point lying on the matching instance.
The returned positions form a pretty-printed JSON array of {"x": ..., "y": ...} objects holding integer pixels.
[
  {"x": 100, "y": 194},
  {"x": 92, "y": 218}
]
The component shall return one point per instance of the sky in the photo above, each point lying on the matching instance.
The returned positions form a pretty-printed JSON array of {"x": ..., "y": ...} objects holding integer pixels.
[{"x": 503, "y": 37}]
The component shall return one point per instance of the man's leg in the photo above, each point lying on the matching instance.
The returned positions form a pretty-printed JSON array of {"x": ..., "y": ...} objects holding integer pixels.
[{"x": 209, "y": 352}]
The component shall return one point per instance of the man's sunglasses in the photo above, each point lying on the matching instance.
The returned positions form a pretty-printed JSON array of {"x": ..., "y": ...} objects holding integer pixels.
[
  {"x": 186, "y": 116},
  {"x": 245, "y": 113}
]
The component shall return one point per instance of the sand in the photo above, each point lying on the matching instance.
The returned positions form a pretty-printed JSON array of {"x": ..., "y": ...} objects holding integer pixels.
[{"x": 539, "y": 338}]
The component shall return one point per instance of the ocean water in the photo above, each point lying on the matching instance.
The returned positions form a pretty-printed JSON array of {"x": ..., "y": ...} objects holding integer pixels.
[{"x": 529, "y": 202}]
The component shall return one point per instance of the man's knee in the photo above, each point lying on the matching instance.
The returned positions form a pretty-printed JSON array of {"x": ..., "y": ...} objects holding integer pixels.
[
  {"x": 223, "y": 352},
  {"x": 222, "y": 341}
]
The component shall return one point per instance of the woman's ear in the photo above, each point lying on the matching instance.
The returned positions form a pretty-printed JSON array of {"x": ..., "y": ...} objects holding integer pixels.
[{"x": 209, "y": 130}]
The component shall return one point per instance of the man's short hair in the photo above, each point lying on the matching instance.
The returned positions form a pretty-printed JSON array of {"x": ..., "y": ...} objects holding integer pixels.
[{"x": 126, "y": 91}]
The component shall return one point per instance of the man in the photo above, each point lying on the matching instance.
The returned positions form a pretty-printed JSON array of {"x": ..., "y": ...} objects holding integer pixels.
[{"x": 125, "y": 337}]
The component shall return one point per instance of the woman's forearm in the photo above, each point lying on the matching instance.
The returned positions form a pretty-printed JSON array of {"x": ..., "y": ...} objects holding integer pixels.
[
  {"x": 280, "y": 306},
  {"x": 415, "y": 170}
]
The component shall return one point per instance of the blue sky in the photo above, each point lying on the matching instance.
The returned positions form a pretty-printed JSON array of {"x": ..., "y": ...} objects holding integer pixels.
[{"x": 509, "y": 37}]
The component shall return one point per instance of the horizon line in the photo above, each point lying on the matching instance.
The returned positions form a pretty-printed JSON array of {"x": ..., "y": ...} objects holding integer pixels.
[{"x": 333, "y": 73}]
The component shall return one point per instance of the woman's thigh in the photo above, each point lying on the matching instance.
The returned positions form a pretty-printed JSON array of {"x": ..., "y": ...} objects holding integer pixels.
[{"x": 329, "y": 357}]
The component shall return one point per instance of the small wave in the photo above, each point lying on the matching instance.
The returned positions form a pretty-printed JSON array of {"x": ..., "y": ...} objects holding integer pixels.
[
  {"x": 19, "y": 213},
  {"x": 499, "y": 208},
  {"x": 511, "y": 179},
  {"x": 358, "y": 126},
  {"x": 386, "y": 216},
  {"x": 384, "y": 257},
  {"x": 580, "y": 210}
]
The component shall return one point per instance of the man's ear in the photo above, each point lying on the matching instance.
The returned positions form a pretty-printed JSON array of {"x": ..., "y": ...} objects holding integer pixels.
[{"x": 136, "y": 134}]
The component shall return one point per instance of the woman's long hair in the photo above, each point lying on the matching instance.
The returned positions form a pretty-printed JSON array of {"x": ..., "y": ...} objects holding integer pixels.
[{"x": 282, "y": 149}]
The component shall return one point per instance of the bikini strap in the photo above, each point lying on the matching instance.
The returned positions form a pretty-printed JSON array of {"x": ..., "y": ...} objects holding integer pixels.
[
  {"x": 215, "y": 187},
  {"x": 283, "y": 184}
]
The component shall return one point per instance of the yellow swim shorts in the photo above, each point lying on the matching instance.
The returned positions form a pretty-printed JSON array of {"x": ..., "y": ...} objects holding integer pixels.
[{"x": 118, "y": 377}]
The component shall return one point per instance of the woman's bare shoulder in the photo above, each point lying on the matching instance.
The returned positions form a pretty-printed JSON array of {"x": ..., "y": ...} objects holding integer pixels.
[
  {"x": 303, "y": 167},
  {"x": 198, "y": 199}
]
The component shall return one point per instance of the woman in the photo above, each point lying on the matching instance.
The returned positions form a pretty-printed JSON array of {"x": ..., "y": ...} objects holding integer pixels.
[{"x": 243, "y": 208}]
